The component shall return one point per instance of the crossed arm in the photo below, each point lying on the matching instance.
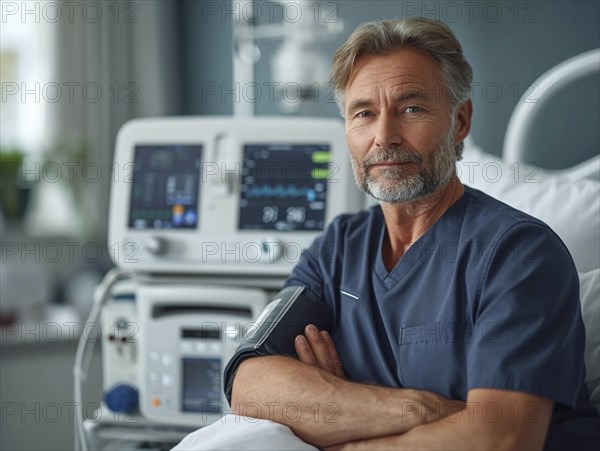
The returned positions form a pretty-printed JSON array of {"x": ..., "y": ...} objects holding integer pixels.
[{"x": 314, "y": 399}]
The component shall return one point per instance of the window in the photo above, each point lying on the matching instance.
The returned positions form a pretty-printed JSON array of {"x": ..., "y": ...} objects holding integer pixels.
[{"x": 27, "y": 68}]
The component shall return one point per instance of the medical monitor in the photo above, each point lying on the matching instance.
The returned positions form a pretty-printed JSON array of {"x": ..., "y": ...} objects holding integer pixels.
[
  {"x": 165, "y": 187},
  {"x": 225, "y": 195},
  {"x": 284, "y": 187}
]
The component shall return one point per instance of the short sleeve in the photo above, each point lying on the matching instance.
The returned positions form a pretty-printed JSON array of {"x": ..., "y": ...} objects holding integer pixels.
[
  {"x": 306, "y": 273},
  {"x": 319, "y": 264},
  {"x": 528, "y": 334}
]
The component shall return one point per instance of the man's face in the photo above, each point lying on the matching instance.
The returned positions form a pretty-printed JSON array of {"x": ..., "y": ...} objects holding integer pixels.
[{"x": 399, "y": 127}]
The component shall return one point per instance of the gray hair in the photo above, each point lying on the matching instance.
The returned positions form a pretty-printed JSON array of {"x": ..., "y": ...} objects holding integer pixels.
[{"x": 385, "y": 36}]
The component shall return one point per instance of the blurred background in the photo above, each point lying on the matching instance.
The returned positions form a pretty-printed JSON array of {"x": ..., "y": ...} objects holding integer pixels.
[{"x": 73, "y": 72}]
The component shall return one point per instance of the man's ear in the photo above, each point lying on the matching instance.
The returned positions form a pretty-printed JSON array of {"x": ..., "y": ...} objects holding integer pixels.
[{"x": 462, "y": 121}]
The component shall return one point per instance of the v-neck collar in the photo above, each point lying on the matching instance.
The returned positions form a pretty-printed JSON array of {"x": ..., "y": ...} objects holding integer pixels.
[{"x": 423, "y": 247}]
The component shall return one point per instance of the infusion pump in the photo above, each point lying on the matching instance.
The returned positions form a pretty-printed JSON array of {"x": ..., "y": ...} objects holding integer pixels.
[
  {"x": 225, "y": 195},
  {"x": 165, "y": 347}
]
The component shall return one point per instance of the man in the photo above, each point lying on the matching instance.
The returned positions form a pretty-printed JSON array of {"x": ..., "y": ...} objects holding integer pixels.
[{"x": 456, "y": 320}]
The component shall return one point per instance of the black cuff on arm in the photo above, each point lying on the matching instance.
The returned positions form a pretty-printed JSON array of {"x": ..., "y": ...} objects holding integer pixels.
[{"x": 274, "y": 331}]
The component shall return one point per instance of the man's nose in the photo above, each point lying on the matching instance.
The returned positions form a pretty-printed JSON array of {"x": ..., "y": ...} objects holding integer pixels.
[{"x": 387, "y": 132}]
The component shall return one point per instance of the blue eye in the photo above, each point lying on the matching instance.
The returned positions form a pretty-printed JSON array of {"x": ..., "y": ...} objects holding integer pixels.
[
  {"x": 413, "y": 109},
  {"x": 363, "y": 114}
]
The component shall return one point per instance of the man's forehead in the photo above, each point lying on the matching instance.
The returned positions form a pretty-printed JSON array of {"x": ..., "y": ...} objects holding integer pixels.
[
  {"x": 409, "y": 73},
  {"x": 403, "y": 93},
  {"x": 411, "y": 63}
]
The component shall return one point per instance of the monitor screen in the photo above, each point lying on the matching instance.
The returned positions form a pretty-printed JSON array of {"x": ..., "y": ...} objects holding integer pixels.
[
  {"x": 284, "y": 187},
  {"x": 164, "y": 192},
  {"x": 201, "y": 391}
]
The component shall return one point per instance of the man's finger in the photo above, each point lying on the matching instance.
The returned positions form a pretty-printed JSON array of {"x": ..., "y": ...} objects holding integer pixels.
[
  {"x": 319, "y": 348},
  {"x": 338, "y": 368},
  {"x": 304, "y": 351}
]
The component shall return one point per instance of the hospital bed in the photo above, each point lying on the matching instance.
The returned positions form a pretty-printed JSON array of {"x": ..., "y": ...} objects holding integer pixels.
[{"x": 568, "y": 200}]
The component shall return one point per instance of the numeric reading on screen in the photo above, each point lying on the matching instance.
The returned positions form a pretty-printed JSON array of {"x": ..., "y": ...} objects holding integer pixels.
[
  {"x": 284, "y": 187},
  {"x": 164, "y": 193}
]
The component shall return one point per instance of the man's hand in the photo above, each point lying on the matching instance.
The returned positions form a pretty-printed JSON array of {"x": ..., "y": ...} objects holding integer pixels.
[{"x": 316, "y": 348}]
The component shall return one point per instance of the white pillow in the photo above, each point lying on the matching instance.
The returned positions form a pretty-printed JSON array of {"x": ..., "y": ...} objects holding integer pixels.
[
  {"x": 570, "y": 208},
  {"x": 590, "y": 310}
]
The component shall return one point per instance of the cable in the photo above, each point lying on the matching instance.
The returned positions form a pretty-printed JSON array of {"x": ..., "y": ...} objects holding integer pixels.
[{"x": 81, "y": 366}]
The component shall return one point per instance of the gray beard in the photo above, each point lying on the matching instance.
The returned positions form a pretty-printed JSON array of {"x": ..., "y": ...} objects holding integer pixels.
[{"x": 393, "y": 185}]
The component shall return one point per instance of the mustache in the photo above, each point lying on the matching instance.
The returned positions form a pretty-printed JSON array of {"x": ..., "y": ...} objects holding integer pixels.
[{"x": 396, "y": 154}]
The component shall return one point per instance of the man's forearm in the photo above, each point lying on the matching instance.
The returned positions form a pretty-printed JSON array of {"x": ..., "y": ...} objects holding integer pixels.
[
  {"x": 324, "y": 409},
  {"x": 492, "y": 419}
]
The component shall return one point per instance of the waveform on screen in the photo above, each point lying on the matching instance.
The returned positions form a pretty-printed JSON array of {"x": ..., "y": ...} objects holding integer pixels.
[{"x": 279, "y": 192}]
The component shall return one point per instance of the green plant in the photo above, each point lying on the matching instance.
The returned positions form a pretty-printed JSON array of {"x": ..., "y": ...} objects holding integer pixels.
[{"x": 13, "y": 191}]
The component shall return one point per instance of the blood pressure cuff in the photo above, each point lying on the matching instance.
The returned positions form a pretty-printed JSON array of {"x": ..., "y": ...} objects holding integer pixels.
[{"x": 278, "y": 325}]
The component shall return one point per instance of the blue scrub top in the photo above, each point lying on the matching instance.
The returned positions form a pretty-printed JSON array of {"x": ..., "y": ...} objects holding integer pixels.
[{"x": 488, "y": 297}]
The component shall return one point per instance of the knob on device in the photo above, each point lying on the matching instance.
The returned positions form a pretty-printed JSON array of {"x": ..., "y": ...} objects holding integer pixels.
[
  {"x": 122, "y": 398},
  {"x": 156, "y": 245},
  {"x": 271, "y": 249}
]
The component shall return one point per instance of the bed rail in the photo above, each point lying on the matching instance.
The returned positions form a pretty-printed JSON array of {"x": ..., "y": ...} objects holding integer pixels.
[{"x": 548, "y": 84}]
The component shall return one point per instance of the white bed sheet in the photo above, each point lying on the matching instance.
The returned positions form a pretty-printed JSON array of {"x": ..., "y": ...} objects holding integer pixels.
[{"x": 236, "y": 432}]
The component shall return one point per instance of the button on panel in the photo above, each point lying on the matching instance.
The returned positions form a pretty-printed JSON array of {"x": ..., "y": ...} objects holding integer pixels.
[
  {"x": 154, "y": 379},
  {"x": 167, "y": 359},
  {"x": 153, "y": 356},
  {"x": 167, "y": 380}
]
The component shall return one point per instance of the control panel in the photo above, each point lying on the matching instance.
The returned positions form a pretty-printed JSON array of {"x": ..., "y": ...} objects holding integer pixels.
[{"x": 188, "y": 334}]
